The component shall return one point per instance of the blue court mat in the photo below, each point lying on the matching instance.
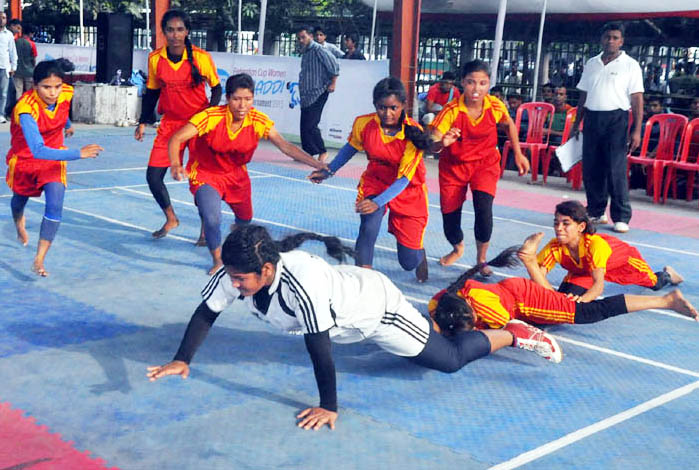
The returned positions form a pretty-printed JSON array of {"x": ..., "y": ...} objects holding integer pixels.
[{"x": 74, "y": 347}]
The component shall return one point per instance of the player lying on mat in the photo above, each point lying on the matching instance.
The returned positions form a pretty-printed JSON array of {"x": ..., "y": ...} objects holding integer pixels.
[
  {"x": 302, "y": 294},
  {"x": 37, "y": 159},
  {"x": 467, "y": 304},
  {"x": 223, "y": 140},
  {"x": 589, "y": 258}
]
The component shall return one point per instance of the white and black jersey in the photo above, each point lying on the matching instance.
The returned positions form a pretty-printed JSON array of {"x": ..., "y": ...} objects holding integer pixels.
[{"x": 308, "y": 296}]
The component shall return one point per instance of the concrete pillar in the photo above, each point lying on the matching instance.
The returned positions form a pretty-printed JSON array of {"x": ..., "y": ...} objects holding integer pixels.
[
  {"x": 16, "y": 9},
  {"x": 406, "y": 35},
  {"x": 160, "y": 7}
]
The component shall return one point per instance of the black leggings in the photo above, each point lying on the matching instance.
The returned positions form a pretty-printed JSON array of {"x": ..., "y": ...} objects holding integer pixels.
[
  {"x": 482, "y": 225},
  {"x": 449, "y": 354},
  {"x": 155, "y": 176},
  {"x": 601, "y": 309}
]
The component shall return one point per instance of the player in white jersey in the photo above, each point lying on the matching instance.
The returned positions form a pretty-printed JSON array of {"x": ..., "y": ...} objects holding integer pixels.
[{"x": 302, "y": 294}]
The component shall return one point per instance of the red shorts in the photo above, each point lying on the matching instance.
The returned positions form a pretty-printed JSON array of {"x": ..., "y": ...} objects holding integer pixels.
[
  {"x": 634, "y": 272},
  {"x": 409, "y": 230},
  {"x": 235, "y": 189},
  {"x": 455, "y": 178},
  {"x": 27, "y": 177},
  {"x": 158, "y": 155}
]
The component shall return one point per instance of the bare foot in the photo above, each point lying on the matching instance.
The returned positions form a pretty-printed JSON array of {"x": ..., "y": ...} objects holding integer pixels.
[
  {"x": 215, "y": 268},
  {"x": 451, "y": 258},
  {"x": 22, "y": 235},
  {"x": 675, "y": 277},
  {"x": 169, "y": 225},
  {"x": 681, "y": 305},
  {"x": 485, "y": 271},
  {"x": 39, "y": 269},
  {"x": 530, "y": 245}
]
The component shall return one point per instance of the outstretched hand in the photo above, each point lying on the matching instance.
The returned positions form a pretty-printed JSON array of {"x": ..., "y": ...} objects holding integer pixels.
[
  {"x": 315, "y": 418},
  {"x": 172, "y": 368},
  {"x": 319, "y": 176},
  {"x": 90, "y": 151}
]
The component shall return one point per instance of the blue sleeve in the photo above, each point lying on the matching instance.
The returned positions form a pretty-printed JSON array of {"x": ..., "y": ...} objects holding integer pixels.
[
  {"x": 392, "y": 191},
  {"x": 342, "y": 157},
  {"x": 36, "y": 142},
  {"x": 68, "y": 124}
]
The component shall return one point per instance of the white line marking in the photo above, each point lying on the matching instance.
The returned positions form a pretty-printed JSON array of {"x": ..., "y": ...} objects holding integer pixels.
[
  {"x": 580, "y": 434},
  {"x": 506, "y": 219},
  {"x": 628, "y": 356},
  {"x": 106, "y": 171}
]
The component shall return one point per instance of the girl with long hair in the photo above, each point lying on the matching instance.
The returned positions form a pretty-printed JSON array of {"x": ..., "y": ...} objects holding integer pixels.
[{"x": 394, "y": 180}]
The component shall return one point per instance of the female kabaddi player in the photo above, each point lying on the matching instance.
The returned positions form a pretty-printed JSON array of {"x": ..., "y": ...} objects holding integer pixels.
[
  {"x": 177, "y": 77},
  {"x": 36, "y": 161},
  {"x": 227, "y": 137},
  {"x": 590, "y": 258},
  {"x": 468, "y": 304},
  {"x": 394, "y": 179},
  {"x": 466, "y": 133},
  {"x": 302, "y": 294}
]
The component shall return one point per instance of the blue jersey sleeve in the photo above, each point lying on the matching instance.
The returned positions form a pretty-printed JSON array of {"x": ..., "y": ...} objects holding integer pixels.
[
  {"x": 35, "y": 141},
  {"x": 392, "y": 191}
]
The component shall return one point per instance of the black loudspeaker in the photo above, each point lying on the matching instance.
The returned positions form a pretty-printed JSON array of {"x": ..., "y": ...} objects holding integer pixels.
[{"x": 114, "y": 46}]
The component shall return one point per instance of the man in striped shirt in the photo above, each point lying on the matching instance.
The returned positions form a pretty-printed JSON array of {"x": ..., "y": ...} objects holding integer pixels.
[{"x": 319, "y": 72}]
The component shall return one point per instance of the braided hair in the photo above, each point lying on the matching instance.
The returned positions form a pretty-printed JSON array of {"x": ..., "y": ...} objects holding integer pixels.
[
  {"x": 453, "y": 313},
  {"x": 197, "y": 77},
  {"x": 248, "y": 247},
  {"x": 392, "y": 86}
]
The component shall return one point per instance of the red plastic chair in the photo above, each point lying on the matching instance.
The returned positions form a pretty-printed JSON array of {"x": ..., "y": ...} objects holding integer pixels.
[
  {"x": 690, "y": 143},
  {"x": 671, "y": 128},
  {"x": 548, "y": 154},
  {"x": 540, "y": 120}
]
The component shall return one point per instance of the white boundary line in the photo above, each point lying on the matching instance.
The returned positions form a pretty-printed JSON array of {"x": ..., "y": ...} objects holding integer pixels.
[
  {"x": 587, "y": 431},
  {"x": 105, "y": 170}
]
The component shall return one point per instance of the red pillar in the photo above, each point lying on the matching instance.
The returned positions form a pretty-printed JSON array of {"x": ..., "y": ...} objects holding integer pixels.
[
  {"x": 406, "y": 35},
  {"x": 16, "y": 9},
  {"x": 160, "y": 7}
]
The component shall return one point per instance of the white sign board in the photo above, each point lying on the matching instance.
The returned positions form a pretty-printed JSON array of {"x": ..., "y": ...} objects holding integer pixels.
[{"x": 276, "y": 85}]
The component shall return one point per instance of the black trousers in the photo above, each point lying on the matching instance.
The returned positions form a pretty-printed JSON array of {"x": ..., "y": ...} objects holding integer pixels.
[
  {"x": 605, "y": 142},
  {"x": 311, "y": 140}
]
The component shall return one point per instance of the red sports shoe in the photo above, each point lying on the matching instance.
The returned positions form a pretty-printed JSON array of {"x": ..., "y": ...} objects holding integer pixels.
[{"x": 533, "y": 339}]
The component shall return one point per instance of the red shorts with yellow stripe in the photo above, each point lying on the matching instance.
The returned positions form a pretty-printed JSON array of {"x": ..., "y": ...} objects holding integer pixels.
[
  {"x": 456, "y": 177},
  {"x": 635, "y": 272},
  {"x": 235, "y": 189},
  {"x": 409, "y": 230},
  {"x": 536, "y": 304},
  {"x": 158, "y": 155},
  {"x": 27, "y": 176}
]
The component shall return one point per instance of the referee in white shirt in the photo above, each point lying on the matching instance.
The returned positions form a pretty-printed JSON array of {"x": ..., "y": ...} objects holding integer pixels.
[{"x": 611, "y": 83}]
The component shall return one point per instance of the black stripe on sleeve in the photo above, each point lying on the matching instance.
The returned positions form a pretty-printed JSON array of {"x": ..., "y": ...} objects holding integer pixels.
[
  {"x": 212, "y": 284},
  {"x": 301, "y": 305},
  {"x": 304, "y": 298}
]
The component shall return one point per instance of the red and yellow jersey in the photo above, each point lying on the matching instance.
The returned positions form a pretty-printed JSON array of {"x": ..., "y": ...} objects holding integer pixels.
[
  {"x": 390, "y": 157},
  {"x": 50, "y": 123},
  {"x": 178, "y": 99},
  {"x": 516, "y": 298},
  {"x": 616, "y": 257},
  {"x": 479, "y": 138},
  {"x": 218, "y": 149}
]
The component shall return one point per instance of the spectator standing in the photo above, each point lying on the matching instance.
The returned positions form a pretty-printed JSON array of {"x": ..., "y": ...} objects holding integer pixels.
[
  {"x": 320, "y": 37},
  {"x": 26, "y": 60},
  {"x": 352, "y": 53},
  {"x": 512, "y": 78},
  {"x": 438, "y": 95},
  {"x": 8, "y": 62},
  {"x": 612, "y": 82},
  {"x": 319, "y": 72}
]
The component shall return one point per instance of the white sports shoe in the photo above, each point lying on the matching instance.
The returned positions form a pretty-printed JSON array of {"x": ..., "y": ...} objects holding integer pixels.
[
  {"x": 531, "y": 338},
  {"x": 3, "y": 120},
  {"x": 602, "y": 219},
  {"x": 621, "y": 227}
]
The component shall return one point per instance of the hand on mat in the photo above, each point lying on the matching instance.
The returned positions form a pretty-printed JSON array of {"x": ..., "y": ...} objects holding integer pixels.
[
  {"x": 178, "y": 172},
  {"x": 90, "y": 151},
  {"x": 316, "y": 418},
  {"x": 451, "y": 136},
  {"x": 69, "y": 132},
  {"x": 319, "y": 176},
  {"x": 366, "y": 206},
  {"x": 522, "y": 163},
  {"x": 173, "y": 368},
  {"x": 138, "y": 133}
]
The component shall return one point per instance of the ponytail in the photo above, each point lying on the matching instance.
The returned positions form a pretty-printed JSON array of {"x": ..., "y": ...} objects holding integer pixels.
[
  {"x": 417, "y": 136},
  {"x": 197, "y": 78},
  {"x": 248, "y": 247},
  {"x": 453, "y": 313}
]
